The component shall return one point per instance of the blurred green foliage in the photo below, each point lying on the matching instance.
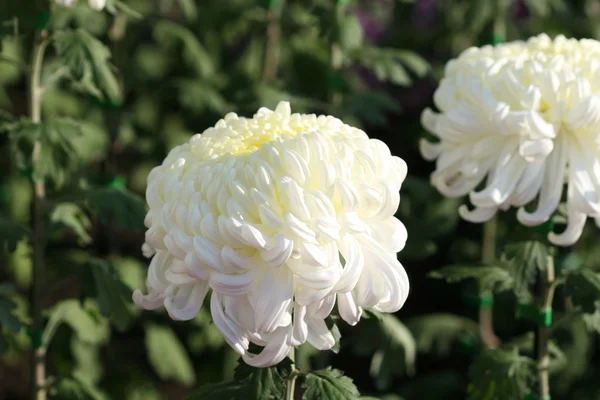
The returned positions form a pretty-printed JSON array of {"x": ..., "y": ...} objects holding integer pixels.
[{"x": 123, "y": 86}]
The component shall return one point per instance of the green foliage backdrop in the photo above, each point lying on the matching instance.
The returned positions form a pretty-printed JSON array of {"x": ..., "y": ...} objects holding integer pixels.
[{"x": 124, "y": 85}]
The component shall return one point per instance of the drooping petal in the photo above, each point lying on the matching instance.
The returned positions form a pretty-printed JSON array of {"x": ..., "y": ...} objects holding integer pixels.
[
  {"x": 186, "y": 301},
  {"x": 349, "y": 310},
  {"x": 275, "y": 350},
  {"x": 271, "y": 298},
  {"x": 233, "y": 334},
  {"x": 319, "y": 336}
]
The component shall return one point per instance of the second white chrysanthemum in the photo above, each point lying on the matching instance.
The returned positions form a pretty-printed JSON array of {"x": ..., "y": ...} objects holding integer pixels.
[
  {"x": 281, "y": 216},
  {"x": 525, "y": 118}
]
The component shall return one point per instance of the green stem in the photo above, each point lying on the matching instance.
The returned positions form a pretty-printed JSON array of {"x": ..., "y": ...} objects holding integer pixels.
[
  {"x": 271, "y": 61},
  {"x": 542, "y": 337},
  {"x": 337, "y": 59},
  {"x": 486, "y": 321},
  {"x": 38, "y": 366},
  {"x": 291, "y": 383},
  {"x": 488, "y": 252}
]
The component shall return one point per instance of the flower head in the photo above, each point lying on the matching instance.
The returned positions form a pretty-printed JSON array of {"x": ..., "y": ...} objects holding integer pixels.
[
  {"x": 525, "y": 118},
  {"x": 280, "y": 215}
]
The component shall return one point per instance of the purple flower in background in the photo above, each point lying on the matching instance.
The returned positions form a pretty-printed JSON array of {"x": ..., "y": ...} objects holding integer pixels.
[
  {"x": 375, "y": 18},
  {"x": 520, "y": 10},
  {"x": 373, "y": 29},
  {"x": 425, "y": 12}
]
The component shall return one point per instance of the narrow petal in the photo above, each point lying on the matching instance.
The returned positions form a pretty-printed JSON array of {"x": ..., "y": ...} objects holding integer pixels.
[
  {"x": 300, "y": 330},
  {"x": 232, "y": 285},
  {"x": 271, "y": 299},
  {"x": 569, "y": 236},
  {"x": 348, "y": 309},
  {"x": 353, "y": 266},
  {"x": 275, "y": 350},
  {"x": 233, "y": 334},
  {"x": 186, "y": 301},
  {"x": 319, "y": 336}
]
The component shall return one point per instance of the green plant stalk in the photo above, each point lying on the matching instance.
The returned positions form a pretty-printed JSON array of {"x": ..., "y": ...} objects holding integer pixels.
[
  {"x": 291, "y": 383},
  {"x": 547, "y": 285},
  {"x": 337, "y": 58},
  {"x": 271, "y": 61},
  {"x": 488, "y": 255},
  {"x": 499, "y": 33},
  {"x": 113, "y": 119},
  {"x": 38, "y": 354}
]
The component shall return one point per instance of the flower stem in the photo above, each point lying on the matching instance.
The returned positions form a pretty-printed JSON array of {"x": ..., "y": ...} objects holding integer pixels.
[
  {"x": 486, "y": 321},
  {"x": 336, "y": 60},
  {"x": 273, "y": 35},
  {"x": 38, "y": 366},
  {"x": 291, "y": 383},
  {"x": 547, "y": 285}
]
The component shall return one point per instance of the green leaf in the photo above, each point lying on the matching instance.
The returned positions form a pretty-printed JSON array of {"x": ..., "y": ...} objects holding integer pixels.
[
  {"x": 584, "y": 287},
  {"x": 388, "y": 64},
  {"x": 200, "y": 95},
  {"x": 350, "y": 32},
  {"x": 396, "y": 74},
  {"x": 72, "y": 217},
  {"x": 335, "y": 331},
  {"x": 85, "y": 320},
  {"x": 75, "y": 389},
  {"x": 524, "y": 260},
  {"x": 538, "y": 7},
  {"x": 592, "y": 320},
  {"x": 116, "y": 6},
  {"x": 496, "y": 279},
  {"x": 391, "y": 343},
  {"x": 189, "y": 9},
  {"x": 328, "y": 384},
  {"x": 168, "y": 356},
  {"x": 264, "y": 383},
  {"x": 123, "y": 208},
  {"x": 88, "y": 60},
  {"x": 8, "y": 319},
  {"x": 543, "y": 8},
  {"x": 11, "y": 234},
  {"x": 220, "y": 391},
  {"x": 525, "y": 344},
  {"x": 414, "y": 62},
  {"x": 500, "y": 374},
  {"x": 438, "y": 333},
  {"x": 170, "y": 34},
  {"x": 113, "y": 296},
  {"x": 479, "y": 14},
  {"x": 58, "y": 156},
  {"x": 372, "y": 106},
  {"x": 88, "y": 364}
]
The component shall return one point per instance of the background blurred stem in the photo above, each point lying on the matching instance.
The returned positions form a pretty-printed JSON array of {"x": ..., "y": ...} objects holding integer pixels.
[
  {"x": 38, "y": 368},
  {"x": 273, "y": 35},
  {"x": 337, "y": 60},
  {"x": 542, "y": 336},
  {"x": 486, "y": 320}
]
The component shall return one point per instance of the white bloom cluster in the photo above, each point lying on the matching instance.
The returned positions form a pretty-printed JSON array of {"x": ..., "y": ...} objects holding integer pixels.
[
  {"x": 282, "y": 216},
  {"x": 95, "y": 4},
  {"x": 526, "y": 115}
]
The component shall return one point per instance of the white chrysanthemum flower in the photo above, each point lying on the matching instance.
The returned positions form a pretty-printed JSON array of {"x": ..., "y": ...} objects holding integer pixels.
[
  {"x": 526, "y": 115},
  {"x": 95, "y": 4},
  {"x": 280, "y": 215}
]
